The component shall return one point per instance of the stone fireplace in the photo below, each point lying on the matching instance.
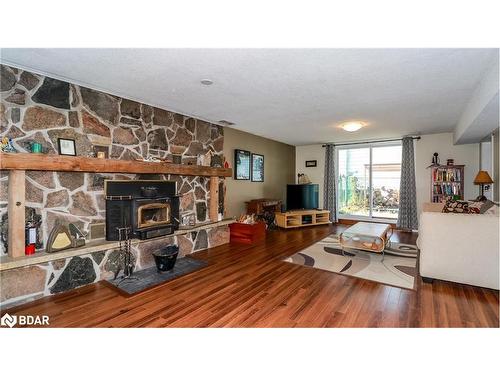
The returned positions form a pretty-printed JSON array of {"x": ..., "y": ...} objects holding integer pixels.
[
  {"x": 40, "y": 109},
  {"x": 129, "y": 130}
]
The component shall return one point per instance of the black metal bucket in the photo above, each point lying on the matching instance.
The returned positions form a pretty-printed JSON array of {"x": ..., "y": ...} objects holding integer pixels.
[{"x": 165, "y": 258}]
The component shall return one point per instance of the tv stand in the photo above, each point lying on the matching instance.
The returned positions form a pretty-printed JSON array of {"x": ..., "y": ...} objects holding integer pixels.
[{"x": 302, "y": 218}]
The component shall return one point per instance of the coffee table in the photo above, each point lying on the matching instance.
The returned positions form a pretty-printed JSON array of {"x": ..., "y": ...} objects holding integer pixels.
[{"x": 366, "y": 236}]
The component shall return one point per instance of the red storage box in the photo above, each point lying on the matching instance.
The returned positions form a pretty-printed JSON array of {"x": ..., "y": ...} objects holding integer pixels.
[{"x": 247, "y": 233}]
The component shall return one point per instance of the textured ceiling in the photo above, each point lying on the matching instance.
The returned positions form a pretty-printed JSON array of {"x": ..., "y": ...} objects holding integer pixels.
[{"x": 297, "y": 96}]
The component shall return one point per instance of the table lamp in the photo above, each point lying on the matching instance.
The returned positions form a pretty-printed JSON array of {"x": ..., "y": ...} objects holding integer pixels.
[{"x": 482, "y": 178}]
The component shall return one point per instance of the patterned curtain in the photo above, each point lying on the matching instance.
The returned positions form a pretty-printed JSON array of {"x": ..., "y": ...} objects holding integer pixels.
[
  {"x": 407, "y": 217},
  {"x": 329, "y": 193}
]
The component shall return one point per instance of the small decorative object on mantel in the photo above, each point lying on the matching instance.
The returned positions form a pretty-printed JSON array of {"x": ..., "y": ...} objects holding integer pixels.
[
  {"x": 59, "y": 239},
  {"x": 66, "y": 146},
  {"x": 311, "y": 163},
  {"x": 101, "y": 152},
  {"x": 177, "y": 159},
  {"x": 450, "y": 162},
  {"x": 7, "y": 146},
  {"x": 216, "y": 161},
  {"x": 205, "y": 159},
  {"x": 150, "y": 159},
  {"x": 303, "y": 178},
  {"x": 35, "y": 147}
]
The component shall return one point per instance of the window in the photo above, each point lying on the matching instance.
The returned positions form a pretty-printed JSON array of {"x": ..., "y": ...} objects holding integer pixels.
[{"x": 368, "y": 181}]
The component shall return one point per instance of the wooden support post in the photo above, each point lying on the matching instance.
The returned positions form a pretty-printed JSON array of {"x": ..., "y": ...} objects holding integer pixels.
[
  {"x": 17, "y": 189},
  {"x": 214, "y": 199}
]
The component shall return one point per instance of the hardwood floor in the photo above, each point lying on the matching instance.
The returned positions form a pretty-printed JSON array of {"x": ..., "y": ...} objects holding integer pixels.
[{"x": 250, "y": 286}]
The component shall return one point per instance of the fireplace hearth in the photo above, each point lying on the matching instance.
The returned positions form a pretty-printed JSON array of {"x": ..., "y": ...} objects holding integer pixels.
[{"x": 149, "y": 208}]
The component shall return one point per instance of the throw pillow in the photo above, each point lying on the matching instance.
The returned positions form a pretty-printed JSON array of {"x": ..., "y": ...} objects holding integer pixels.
[
  {"x": 475, "y": 207},
  {"x": 489, "y": 208},
  {"x": 485, "y": 207},
  {"x": 457, "y": 207}
]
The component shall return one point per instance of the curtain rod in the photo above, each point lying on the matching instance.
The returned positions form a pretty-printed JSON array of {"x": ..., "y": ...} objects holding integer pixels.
[{"x": 417, "y": 137}]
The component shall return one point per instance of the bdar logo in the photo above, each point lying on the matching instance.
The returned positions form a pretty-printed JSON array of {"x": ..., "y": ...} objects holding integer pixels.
[
  {"x": 8, "y": 320},
  {"x": 24, "y": 320}
]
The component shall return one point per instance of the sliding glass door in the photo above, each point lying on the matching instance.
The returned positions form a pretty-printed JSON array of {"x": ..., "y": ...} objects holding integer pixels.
[
  {"x": 354, "y": 181},
  {"x": 368, "y": 181}
]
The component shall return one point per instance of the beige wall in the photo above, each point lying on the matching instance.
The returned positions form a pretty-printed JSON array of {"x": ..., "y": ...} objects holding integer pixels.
[
  {"x": 279, "y": 169},
  {"x": 315, "y": 174},
  {"x": 443, "y": 144}
]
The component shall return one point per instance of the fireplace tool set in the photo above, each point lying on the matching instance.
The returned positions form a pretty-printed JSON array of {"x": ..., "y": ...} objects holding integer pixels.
[{"x": 125, "y": 251}]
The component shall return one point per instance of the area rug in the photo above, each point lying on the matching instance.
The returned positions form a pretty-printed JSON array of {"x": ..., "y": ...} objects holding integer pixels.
[
  {"x": 397, "y": 268},
  {"x": 149, "y": 277}
]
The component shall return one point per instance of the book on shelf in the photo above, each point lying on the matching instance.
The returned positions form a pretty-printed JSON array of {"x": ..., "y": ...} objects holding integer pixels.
[
  {"x": 447, "y": 188},
  {"x": 447, "y": 174}
]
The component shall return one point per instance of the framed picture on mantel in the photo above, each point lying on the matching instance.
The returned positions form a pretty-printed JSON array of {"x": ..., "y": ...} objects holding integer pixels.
[
  {"x": 242, "y": 165},
  {"x": 66, "y": 146}
]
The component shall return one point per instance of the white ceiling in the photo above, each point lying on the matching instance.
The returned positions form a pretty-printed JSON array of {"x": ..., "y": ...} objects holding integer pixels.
[{"x": 297, "y": 96}]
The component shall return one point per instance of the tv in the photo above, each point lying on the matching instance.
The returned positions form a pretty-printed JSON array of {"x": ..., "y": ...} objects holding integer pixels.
[{"x": 302, "y": 196}]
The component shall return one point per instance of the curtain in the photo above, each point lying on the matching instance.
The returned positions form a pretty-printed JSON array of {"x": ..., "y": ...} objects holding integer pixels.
[
  {"x": 329, "y": 193},
  {"x": 407, "y": 217}
]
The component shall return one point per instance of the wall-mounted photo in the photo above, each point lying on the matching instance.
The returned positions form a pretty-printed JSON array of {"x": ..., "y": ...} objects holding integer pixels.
[
  {"x": 311, "y": 163},
  {"x": 257, "y": 168},
  {"x": 241, "y": 165},
  {"x": 66, "y": 146}
]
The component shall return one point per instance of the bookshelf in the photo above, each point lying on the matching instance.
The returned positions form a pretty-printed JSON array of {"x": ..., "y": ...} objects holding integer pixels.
[{"x": 447, "y": 180}]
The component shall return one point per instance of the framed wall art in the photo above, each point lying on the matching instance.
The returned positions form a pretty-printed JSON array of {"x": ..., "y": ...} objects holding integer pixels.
[
  {"x": 242, "y": 165},
  {"x": 257, "y": 168},
  {"x": 311, "y": 163}
]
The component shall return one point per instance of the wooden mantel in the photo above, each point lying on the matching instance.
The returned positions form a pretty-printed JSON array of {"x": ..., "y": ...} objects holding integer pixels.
[
  {"x": 19, "y": 163},
  {"x": 40, "y": 162}
]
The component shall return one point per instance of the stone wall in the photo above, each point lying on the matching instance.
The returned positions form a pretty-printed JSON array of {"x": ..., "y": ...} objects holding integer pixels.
[
  {"x": 21, "y": 285},
  {"x": 42, "y": 109}
]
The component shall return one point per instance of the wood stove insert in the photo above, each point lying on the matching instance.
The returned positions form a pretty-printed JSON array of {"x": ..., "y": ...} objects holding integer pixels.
[{"x": 152, "y": 216}]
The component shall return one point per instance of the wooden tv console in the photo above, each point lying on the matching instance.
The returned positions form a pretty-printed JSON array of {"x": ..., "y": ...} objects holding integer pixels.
[{"x": 302, "y": 218}]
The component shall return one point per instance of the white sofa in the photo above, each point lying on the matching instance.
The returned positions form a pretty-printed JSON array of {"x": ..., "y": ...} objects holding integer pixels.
[{"x": 459, "y": 247}]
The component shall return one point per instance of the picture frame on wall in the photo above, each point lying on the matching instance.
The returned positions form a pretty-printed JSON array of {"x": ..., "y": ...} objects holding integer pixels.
[
  {"x": 242, "y": 164},
  {"x": 257, "y": 168},
  {"x": 66, "y": 146},
  {"x": 311, "y": 163}
]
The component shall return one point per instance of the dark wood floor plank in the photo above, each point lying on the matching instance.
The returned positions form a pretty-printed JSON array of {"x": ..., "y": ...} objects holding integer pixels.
[{"x": 251, "y": 286}]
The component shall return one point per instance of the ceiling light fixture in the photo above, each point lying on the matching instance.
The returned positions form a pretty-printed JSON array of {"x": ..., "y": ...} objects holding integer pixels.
[
  {"x": 207, "y": 82},
  {"x": 352, "y": 126}
]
